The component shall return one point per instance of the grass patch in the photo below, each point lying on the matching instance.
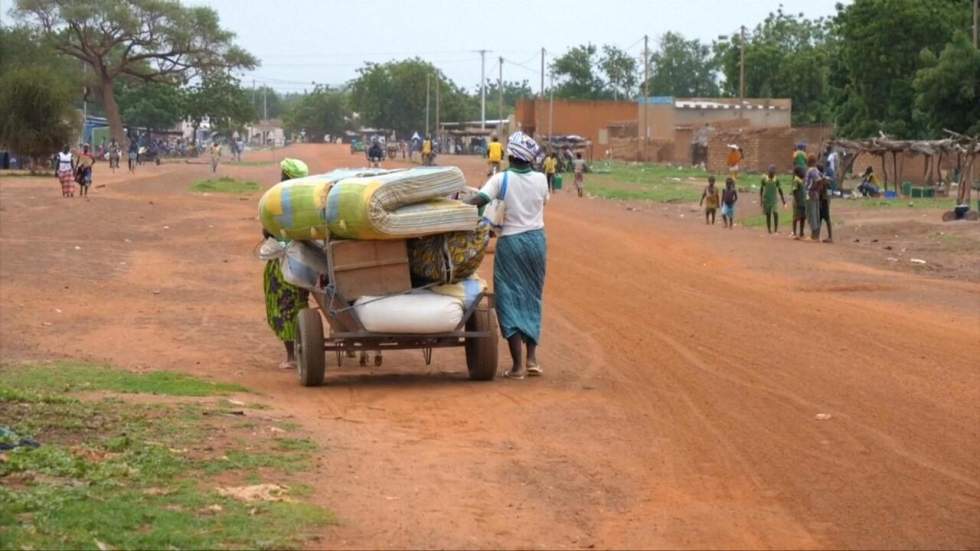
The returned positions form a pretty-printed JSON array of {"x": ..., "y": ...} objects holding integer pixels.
[
  {"x": 224, "y": 185},
  {"x": 128, "y": 475},
  {"x": 253, "y": 163},
  {"x": 640, "y": 181},
  {"x": 68, "y": 376}
]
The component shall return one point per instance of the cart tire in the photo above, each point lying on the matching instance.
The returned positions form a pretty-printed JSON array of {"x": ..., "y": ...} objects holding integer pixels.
[
  {"x": 481, "y": 353},
  {"x": 310, "y": 355}
]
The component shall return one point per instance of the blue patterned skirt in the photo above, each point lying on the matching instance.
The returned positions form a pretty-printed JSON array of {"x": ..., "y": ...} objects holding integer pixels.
[{"x": 518, "y": 282}]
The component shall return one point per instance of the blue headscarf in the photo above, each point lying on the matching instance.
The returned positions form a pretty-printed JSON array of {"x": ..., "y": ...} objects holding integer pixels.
[{"x": 523, "y": 147}]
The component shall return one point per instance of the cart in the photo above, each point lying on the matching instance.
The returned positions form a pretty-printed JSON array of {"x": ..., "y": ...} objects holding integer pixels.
[{"x": 476, "y": 332}]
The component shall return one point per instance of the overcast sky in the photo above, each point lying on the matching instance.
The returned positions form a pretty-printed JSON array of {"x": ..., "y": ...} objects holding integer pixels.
[{"x": 302, "y": 41}]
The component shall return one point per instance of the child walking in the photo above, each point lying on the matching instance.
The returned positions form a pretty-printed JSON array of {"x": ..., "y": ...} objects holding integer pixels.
[
  {"x": 710, "y": 199},
  {"x": 579, "y": 166},
  {"x": 799, "y": 203},
  {"x": 767, "y": 198},
  {"x": 728, "y": 199}
]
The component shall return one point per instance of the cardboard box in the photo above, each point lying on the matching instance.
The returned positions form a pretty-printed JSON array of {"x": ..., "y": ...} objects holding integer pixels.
[{"x": 369, "y": 268}]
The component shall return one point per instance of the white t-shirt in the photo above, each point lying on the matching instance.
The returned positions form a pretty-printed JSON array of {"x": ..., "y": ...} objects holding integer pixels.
[
  {"x": 64, "y": 161},
  {"x": 526, "y": 197}
]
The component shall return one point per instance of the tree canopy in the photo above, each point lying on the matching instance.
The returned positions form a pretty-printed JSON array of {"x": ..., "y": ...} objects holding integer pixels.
[
  {"x": 576, "y": 71},
  {"x": 152, "y": 105},
  {"x": 36, "y": 113},
  {"x": 620, "y": 70},
  {"x": 324, "y": 111},
  {"x": 151, "y": 40},
  {"x": 682, "y": 67},
  {"x": 221, "y": 100},
  {"x": 948, "y": 88}
]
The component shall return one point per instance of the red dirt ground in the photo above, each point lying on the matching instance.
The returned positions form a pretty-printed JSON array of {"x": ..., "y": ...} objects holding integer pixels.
[{"x": 689, "y": 376}]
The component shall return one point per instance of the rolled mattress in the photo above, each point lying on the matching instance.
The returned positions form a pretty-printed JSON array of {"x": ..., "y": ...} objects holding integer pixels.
[{"x": 400, "y": 204}]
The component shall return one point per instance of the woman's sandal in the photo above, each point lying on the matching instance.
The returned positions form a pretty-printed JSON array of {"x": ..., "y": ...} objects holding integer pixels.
[
  {"x": 516, "y": 374},
  {"x": 287, "y": 364},
  {"x": 534, "y": 370}
]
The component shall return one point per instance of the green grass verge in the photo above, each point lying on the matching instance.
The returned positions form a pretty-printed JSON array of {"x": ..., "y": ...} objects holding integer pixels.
[
  {"x": 652, "y": 182},
  {"x": 120, "y": 474},
  {"x": 253, "y": 163},
  {"x": 69, "y": 376},
  {"x": 224, "y": 185},
  {"x": 919, "y": 203}
]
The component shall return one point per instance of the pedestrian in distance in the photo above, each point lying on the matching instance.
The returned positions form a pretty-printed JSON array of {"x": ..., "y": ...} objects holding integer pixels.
[
  {"x": 132, "y": 155},
  {"x": 710, "y": 198},
  {"x": 83, "y": 171},
  {"x": 768, "y": 189},
  {"x": 734, "y": 160},
  {"x": 495, "y": 154},
  {"x": 799, "y": 203},
  {"x": 579, "y": 167},
  {"x": 215, "y": 155},
  {"x": 66, "y": 172},
  {"x": 114, "y": 154},
  {"x": 812, "y": 182},
  {"x": 728, "y": 199},
  {"x": 550, "y": 167},
  {"x": 520, "y": 259},
  {"x": 825, "y": 196},
  {"x": 799, "y": 157}
]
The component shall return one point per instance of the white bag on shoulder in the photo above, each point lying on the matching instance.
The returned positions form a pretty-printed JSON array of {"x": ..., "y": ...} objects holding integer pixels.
[{"x": 496, "y": 209}]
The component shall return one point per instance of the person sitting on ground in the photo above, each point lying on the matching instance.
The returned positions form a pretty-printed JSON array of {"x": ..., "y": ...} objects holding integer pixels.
[
  {"x": 550, "y": 166},
  {"x": 83, "y": 171},
  {"x": 869, "y": 184},
  {"x": 710, "y": 199},
  {"x": 579, "y": 166},
  {"x": 728, "y": 199},
  {"x": 799, "y": 203},
  {"x": 283, "y": 301},
  {"x": 520, "y": 260},
  {"x": 495, "y": 154},
  {"x": 767, "y": 198}
]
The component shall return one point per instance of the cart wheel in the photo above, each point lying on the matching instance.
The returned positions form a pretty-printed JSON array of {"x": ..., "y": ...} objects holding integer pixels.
[
  {"x": 310, "y": 355},
  {"x": 481, "y": 353}
]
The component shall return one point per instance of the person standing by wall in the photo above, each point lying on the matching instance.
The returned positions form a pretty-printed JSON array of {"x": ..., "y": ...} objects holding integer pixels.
[
  {"x": 728, "y": 199},
  {"x": 812, "y": 183},
  {"x": 734, "y": 160},
  {"x": 799, "y": 203}
]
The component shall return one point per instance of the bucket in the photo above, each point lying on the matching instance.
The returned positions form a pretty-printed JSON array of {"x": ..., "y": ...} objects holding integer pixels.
[
  {"x": 557, "y": 182},
  {"x": 891, "y": 195}
]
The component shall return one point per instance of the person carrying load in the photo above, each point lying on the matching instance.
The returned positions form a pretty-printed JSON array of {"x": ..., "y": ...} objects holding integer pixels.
[
  {"x": 520, "y": 259},
  {"x": 283, "y": 301},
  {"x": 495, "y": 154}
]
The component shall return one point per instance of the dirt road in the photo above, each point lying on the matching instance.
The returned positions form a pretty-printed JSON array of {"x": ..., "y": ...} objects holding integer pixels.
[{"x": 703, "y": 388}]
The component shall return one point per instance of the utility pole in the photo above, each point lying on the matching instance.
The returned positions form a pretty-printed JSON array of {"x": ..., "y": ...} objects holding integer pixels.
[
  {"x": 437, "y": 108},
  {"x": 500, "y": 97},
  {"x": 427, "y": 105},
  {"x": 741, "y": 69},
  {"x": 265, "y": 103},
  {"x": 551, "y": 106},
  {"x": 483, "y": 89},
  {"x": 542, "y": 72},
  {"x": 646, "y": 93}
]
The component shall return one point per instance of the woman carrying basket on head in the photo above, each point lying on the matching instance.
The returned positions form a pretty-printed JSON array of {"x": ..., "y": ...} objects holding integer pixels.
[{"x": 519, "y": 262}]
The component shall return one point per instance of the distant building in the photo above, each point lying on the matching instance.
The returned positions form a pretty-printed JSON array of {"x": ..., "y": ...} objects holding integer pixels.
[{"x": 266, "y": 132}]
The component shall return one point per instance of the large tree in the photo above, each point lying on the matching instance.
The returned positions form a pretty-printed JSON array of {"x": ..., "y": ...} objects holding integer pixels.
[
  {"x": 152, "y": 40},
  {"x": 620, "y": 70},
  {"x": 576, "y": 72},
  {"x": 948, "y": 88},
  {"x": 36, "y": 113},
  {"x": 219, "y": 99},
  {"x": 786, "y": 56},
  {"x": 683, "y": 68},
  {"x": 392, "y": 95},
  {"x": 322, "y": 112},
  {"x": 881, "y": 43},
  {"x": 150, "y": 105}
]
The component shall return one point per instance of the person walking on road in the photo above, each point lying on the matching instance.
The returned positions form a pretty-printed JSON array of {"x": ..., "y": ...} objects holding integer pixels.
[
  {"x": 83, "y": 171},
  {"x": 767, "y": 198},
  {"x": 132, "y": 155},
  {"x": 728, "y": 199},
  {"x": 520, "y": 259},
  {"x": 495, "y": 154},
  {"x": 799, "y": 203},
  {"x": 427, "y": 151},
  {"x": 578, "y": 166},
  {"x": 215, "y": 155},
  {"x": 710, "y": 199},
  {"x": 114, "y": 154},
  {"x": 66, "y": 172},
  {"x": 825, "y": 195},
  {"x": 550, "y": 167},
  {"x": 283, "y": 301},
  {"x": 734, "y": 160}
]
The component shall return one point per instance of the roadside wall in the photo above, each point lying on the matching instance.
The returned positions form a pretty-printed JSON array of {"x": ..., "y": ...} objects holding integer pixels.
[
  {"x": 765, "y": 146},
  {"x": 589, "y": 119}
]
